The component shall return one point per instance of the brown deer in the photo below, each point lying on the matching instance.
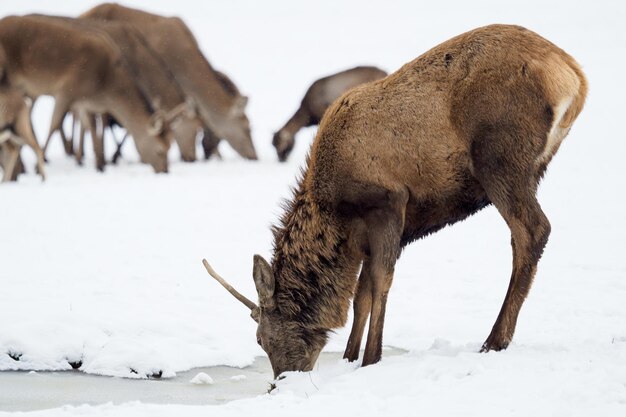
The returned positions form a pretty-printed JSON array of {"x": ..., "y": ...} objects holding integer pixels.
[
  {"x": 210, "y": 140},
  {"x": 317, "y": 99},
  {"x": 80, "y": 68},
  {"x": 15, "y": 131},
  {"x": 153, "y": 79},
  {"x": 219, "y": 110},
  {"x": 472, "y": 122}
]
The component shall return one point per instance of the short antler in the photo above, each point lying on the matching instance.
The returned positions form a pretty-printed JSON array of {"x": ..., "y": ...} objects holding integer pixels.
[
  {"x": 176, "y": 112},
  {"x": 228, "y": 287}
]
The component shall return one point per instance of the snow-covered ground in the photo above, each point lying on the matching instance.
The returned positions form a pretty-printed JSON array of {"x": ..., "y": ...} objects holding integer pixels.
[{"x": 106, "y": 269}]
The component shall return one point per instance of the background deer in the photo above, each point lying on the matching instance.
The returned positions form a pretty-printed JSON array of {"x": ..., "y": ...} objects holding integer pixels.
[
  {"x": 218, "y": 108},
  {"x": 15, "y": 131},
  {"x": 210, "y": 140},
  {"x": 41, "y": 59},
  {"x": 317, "y": 99},
  {"x": 154, "y": 81},
  {"x": 472, "y": 122}
]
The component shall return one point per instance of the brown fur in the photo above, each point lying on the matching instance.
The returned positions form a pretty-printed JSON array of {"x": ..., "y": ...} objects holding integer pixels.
[
  {"x": 79, "y": 68},
  {"x": 210, "y": 139},
  {"x": 319, "y": 96},
  {"x": 15, "y": 131},
  {"x": 462, "y": 126},
  {"x": 172, "y": 39},
  {"x": 153, "y": 79}
]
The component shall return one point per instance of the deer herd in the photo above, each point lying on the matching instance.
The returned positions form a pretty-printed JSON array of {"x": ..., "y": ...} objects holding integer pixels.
[
  {"x": 472, "y": 122},
  {"x": 114, "y": 65}
]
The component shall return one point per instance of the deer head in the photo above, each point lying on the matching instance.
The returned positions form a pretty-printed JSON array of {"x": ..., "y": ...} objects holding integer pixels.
[
  {"x": 161, "y": 120},
  {"x": 160, "y": 128},
  {"x": 235, "y": 128},
  {"x": 284, "y": 142},
  {"x": 290, "y": 345}
]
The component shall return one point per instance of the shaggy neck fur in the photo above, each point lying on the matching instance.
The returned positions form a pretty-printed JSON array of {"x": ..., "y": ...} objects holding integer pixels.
[{"x": 315, "y": 277}]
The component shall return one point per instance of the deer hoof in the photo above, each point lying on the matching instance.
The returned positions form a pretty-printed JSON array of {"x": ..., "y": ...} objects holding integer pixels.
[{"x": 494, "y": 343}]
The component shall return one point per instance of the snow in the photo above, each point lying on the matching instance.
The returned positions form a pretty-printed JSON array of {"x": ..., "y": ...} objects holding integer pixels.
[
  {"x": 202, "y": 379},
  {"x": 105, "y": 269}
]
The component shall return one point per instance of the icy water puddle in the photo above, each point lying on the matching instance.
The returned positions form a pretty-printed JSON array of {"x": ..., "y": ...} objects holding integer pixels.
[{"x": 24, "y": 391}]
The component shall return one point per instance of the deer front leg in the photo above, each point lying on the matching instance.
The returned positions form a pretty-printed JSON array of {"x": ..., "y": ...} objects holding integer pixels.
[
  {"x": 68, "y": 143},
  {"x": 210, "y": 141},
  {"x": 385, "y": 228},
  {"x": 80, "y": 149},
  {"x": 380, "y": 288},
  {"x": 118, "y": 151},
  {"x": 89, "y": 120},
  {"x": 362, "y": 305}
]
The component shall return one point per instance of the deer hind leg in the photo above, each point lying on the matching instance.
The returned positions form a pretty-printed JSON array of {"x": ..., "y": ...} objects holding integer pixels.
[
  {"x": 61, "y": 107},
  {"x": 24, "y": 129},
  {"x": 385, "y": 226},
  {"x": 362, "y": 305},
  {"x": 9, "y": 155},
  {"x": 511, "y": 185}
]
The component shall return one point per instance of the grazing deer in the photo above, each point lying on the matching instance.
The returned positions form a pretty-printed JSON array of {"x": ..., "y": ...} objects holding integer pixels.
[
  {"x": 15, "y": 131},
  {"x": 317, "y": 99},
  {"x": 210, "y": 140},
  {"x": 219, "y": 110},
  {"x": 472, "y": 122},
  {"x": 81, "y": 69},
  {"x": 153, "y": 80}
]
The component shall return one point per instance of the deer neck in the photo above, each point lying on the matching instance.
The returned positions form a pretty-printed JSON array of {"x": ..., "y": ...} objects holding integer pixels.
[
  {"x": 300, "y": 119},
  {"x": 127, "y": 104},
  {"x": 315, "y": 274}
]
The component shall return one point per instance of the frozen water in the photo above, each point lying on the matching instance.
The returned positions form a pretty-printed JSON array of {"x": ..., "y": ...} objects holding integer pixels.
[{"x": 26, "y": 391}]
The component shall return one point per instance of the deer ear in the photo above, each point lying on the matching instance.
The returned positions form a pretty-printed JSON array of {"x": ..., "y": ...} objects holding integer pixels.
[
  {"x": 239, "y": 106},
  {"x": 264, "y": 281}
]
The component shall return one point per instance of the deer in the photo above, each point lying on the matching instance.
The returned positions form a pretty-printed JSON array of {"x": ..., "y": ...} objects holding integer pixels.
[
  {"x": 153, "y": 79},
  {"x": 16, "y": 131},
  {"x": 472, "y": 122},
  {"x": 318, "y": 97},
  {"x": 219, "y": 110},
  {"x": 210, "y": 140},
  {"x": 39, "y": 56}
]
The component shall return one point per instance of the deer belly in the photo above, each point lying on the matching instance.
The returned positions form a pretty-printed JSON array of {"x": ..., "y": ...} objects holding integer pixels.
[{"x": 428, "y": 215}]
